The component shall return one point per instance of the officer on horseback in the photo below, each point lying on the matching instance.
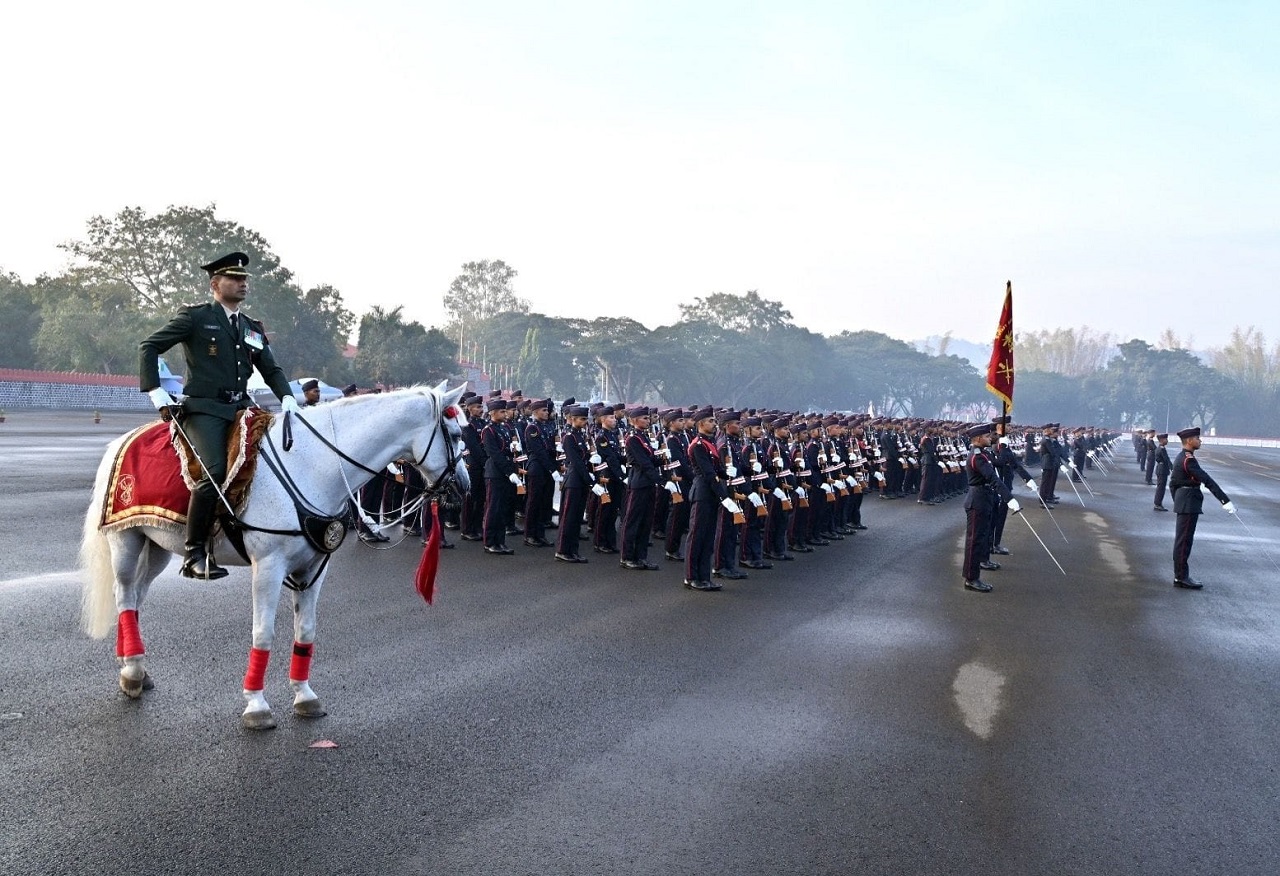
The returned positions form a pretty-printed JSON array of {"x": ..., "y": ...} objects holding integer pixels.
[{"x": 221, "y": 346}]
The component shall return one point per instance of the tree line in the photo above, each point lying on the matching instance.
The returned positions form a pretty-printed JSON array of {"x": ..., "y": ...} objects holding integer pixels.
[{"x": 131, "y": 271}]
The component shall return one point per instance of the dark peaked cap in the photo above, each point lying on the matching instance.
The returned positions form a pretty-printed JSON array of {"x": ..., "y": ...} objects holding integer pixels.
[{"x": 232, "y": 264}]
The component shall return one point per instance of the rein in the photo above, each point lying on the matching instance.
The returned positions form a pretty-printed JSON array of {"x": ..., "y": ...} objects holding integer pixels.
[{"x": 323, "y": 531}]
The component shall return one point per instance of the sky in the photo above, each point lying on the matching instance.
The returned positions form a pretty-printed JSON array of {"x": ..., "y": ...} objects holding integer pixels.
[{"x": 882, "y": 166}]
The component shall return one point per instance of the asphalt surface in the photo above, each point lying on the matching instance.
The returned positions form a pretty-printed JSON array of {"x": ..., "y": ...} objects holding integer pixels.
[{"x": 855, "y": 711}]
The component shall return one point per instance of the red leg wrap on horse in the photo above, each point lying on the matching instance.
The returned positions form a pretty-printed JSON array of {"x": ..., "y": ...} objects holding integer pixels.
[
  {"x": 258, "y": 658},
  {"x": 300, "y": 665},
  {"x": 128, "y": 640}
]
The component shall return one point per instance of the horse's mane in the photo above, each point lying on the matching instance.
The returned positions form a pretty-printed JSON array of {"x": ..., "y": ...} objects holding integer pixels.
[{"x": 416, "y": 389}]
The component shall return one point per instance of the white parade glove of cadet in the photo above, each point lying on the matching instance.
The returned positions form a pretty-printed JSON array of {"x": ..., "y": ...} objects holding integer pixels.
[
  {"x": 731, "y": 506},
  {"x": 393, "y": 468},
  {"x": 1229, "y": 507},
  {"x": 1031, "y": 485},
  {"x": 514, "y": 478},
  {"x": 1014, "y": 506},
  {"x": 599, "y": 489},
  {"x": 289, "y": 405},
  {"x": 757, "y": 467},
  {"x": 672, "y": 487},
  {"x": 731, "y": 470},
  {"x": 1064, "y": 469},
  {"x": 160, "y": 398},
  {"x": 557, "y": 477},
  {"x": 595, "y": 459},
  {"x": 779, "y": 494}
]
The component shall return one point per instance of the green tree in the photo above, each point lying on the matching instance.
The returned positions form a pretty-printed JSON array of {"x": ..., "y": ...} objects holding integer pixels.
[
  {"x": 68, "y": 340},
  {"x": 395, "y": 353},
  {"x": 482, "y": 290},
  {"x": 747, "y": 313},
  {"x": 132, "y": 266},
  {"x": 20, "y": 318}
]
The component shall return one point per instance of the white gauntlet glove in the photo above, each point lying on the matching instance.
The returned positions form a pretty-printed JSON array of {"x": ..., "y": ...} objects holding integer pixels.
[
  {"x": 289, "y": 405},
  {"x": 672, "y": 487},
  {"x": 599, "y": 490},
  {"x": 731, "y": 470},
  {"x": 1031, "y": 485},
  {"x": 393, "y": 468},
  {"x": 731, "y": 506},
  {"x": 1229, "y": 507},
  {"x": 1014, "y": 506},
  {"x": 514, "y": 478},
  {"x": 160, "y": 398},
  {"x": 756, "y": 467},
  {"x": 1064, "y": 469},
  {"x": 755, "y": 500},
  {"x": 779, "y": 462},
  {"x": 595, "y": 459},
  {"x": 557, "y": 477},
  {"x": 778, "y": 493}
]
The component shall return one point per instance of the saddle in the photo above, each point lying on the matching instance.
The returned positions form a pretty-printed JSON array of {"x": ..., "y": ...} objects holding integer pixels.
[{"x": 154, "y": 472}]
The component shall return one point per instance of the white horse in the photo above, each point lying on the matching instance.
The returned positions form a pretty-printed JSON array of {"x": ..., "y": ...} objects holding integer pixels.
[{"x": 361, "y": 435}]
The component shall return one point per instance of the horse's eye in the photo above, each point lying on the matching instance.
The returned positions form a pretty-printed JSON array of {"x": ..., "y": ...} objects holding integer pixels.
[{"x": 451, "y": 412}]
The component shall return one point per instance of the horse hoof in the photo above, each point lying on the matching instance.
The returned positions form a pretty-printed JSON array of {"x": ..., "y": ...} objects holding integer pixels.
[
  {"x": 133, "y": 688},
  {"x": 147, "y": 683},
  {"x": 258, "y": 720},
  {"x": 309, "y": 709}
]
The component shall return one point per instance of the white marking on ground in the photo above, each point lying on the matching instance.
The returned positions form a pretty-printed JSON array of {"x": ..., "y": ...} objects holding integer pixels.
[{"x": 977, "y": 693}]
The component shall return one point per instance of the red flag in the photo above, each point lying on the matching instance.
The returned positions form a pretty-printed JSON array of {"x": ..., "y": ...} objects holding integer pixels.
[
  {"x": 425, "y": 580},
  {"x": 1000, "y": 368}
]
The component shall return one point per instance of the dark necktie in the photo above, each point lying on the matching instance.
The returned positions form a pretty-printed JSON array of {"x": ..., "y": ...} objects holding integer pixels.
[{"x": 235, "y": 324}]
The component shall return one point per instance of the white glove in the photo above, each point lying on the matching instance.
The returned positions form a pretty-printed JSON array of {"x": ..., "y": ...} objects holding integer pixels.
[
  {"x": 822, "y": 457},
  {"x": 731, "y": 506},
  {"x": 731, "y": 470},
  {"x": 289, "y": 405},
  {"x": 756, "y": 467},
  {"x": 514, "y": 478},
  {"x": 672, "y": 487},
  {"x": 835, "y": 459},
  {"x": 826, "y": 488},
  {"x": 1004, "y": 439},
  {"x": 393, "y": 468},
  {"x": 779, "y": 494},
  {"x": 599, "y": 490},
  {"x": 1014, "y": 506},
  {"x": 1072, "y": 464},
  {"x": 755, "y": 500},
  {"x": 594, "y": 459},
  {"x": 779, "y": 462},
  {"x": 626, "y": 481},
  {"x": 1064, "y": 469},
  {"x": 559, "y": 447},
  {"x": 942, "y": 465},
  {"x": 515, "y": 446},
  {"x": 1229, "y": 507},
  {"x": 802, "y": 493},
  {"x": 160, "y": 398},
  {"x": 1031, "y": 485},
  {"x": 880, "y": 476},
  {"x": 557, "y": 477}
]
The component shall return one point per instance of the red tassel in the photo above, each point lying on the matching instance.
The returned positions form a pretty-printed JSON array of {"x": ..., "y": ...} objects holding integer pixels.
[{"x": 425, "y": 580}]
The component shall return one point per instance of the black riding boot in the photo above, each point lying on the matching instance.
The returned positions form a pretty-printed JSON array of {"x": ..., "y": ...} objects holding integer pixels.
[{"x": 198, "y": 563}]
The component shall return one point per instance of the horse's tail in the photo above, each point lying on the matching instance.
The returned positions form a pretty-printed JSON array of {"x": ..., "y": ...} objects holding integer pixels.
[{"x": 97, "y": 594}]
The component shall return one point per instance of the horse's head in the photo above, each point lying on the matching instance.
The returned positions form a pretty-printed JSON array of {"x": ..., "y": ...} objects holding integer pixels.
[{"x": 439, "y": 447}]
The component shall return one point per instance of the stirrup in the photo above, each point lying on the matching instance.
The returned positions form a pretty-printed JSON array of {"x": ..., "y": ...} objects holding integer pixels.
[{"x": 199, "y": 564}]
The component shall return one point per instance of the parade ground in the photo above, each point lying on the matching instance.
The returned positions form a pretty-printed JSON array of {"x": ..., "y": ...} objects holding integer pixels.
[{"x": 855, "y": 711}]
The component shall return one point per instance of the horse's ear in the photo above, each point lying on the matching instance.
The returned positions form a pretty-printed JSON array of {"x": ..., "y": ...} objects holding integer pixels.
[
  {"x": 441, "y": 387},
  {"x": 450, "y": 397}
]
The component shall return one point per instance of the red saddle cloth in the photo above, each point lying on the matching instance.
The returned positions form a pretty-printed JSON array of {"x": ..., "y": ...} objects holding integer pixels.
[{"x": 148, "y": 485}]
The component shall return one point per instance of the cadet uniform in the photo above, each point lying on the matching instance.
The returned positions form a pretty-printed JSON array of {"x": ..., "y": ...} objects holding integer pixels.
[
  {"x": 1187, "y": 501},
  {"x": 979, "y": 505},
  {"x": 1162, "y": 470}
]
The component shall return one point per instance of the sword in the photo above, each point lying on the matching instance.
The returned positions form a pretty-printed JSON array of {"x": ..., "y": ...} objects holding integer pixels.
[
  {"x": 1045, "y": 505},
  {"x": 1073, "y": 487},
  {"x": 1084, "y": 481},
  {"x": 1042, "y": 544},
  {"x": 1098, "y": 463},
  {"x": 1265, "y": 553},
  {"x": 216, "y": 487}
]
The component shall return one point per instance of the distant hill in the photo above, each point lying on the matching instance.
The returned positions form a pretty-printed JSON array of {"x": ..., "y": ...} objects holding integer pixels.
[{"x": 976, "y": 354}]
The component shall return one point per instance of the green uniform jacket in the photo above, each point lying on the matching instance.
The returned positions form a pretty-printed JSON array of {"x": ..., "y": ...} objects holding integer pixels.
[{"x": 219, "y": 361}]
